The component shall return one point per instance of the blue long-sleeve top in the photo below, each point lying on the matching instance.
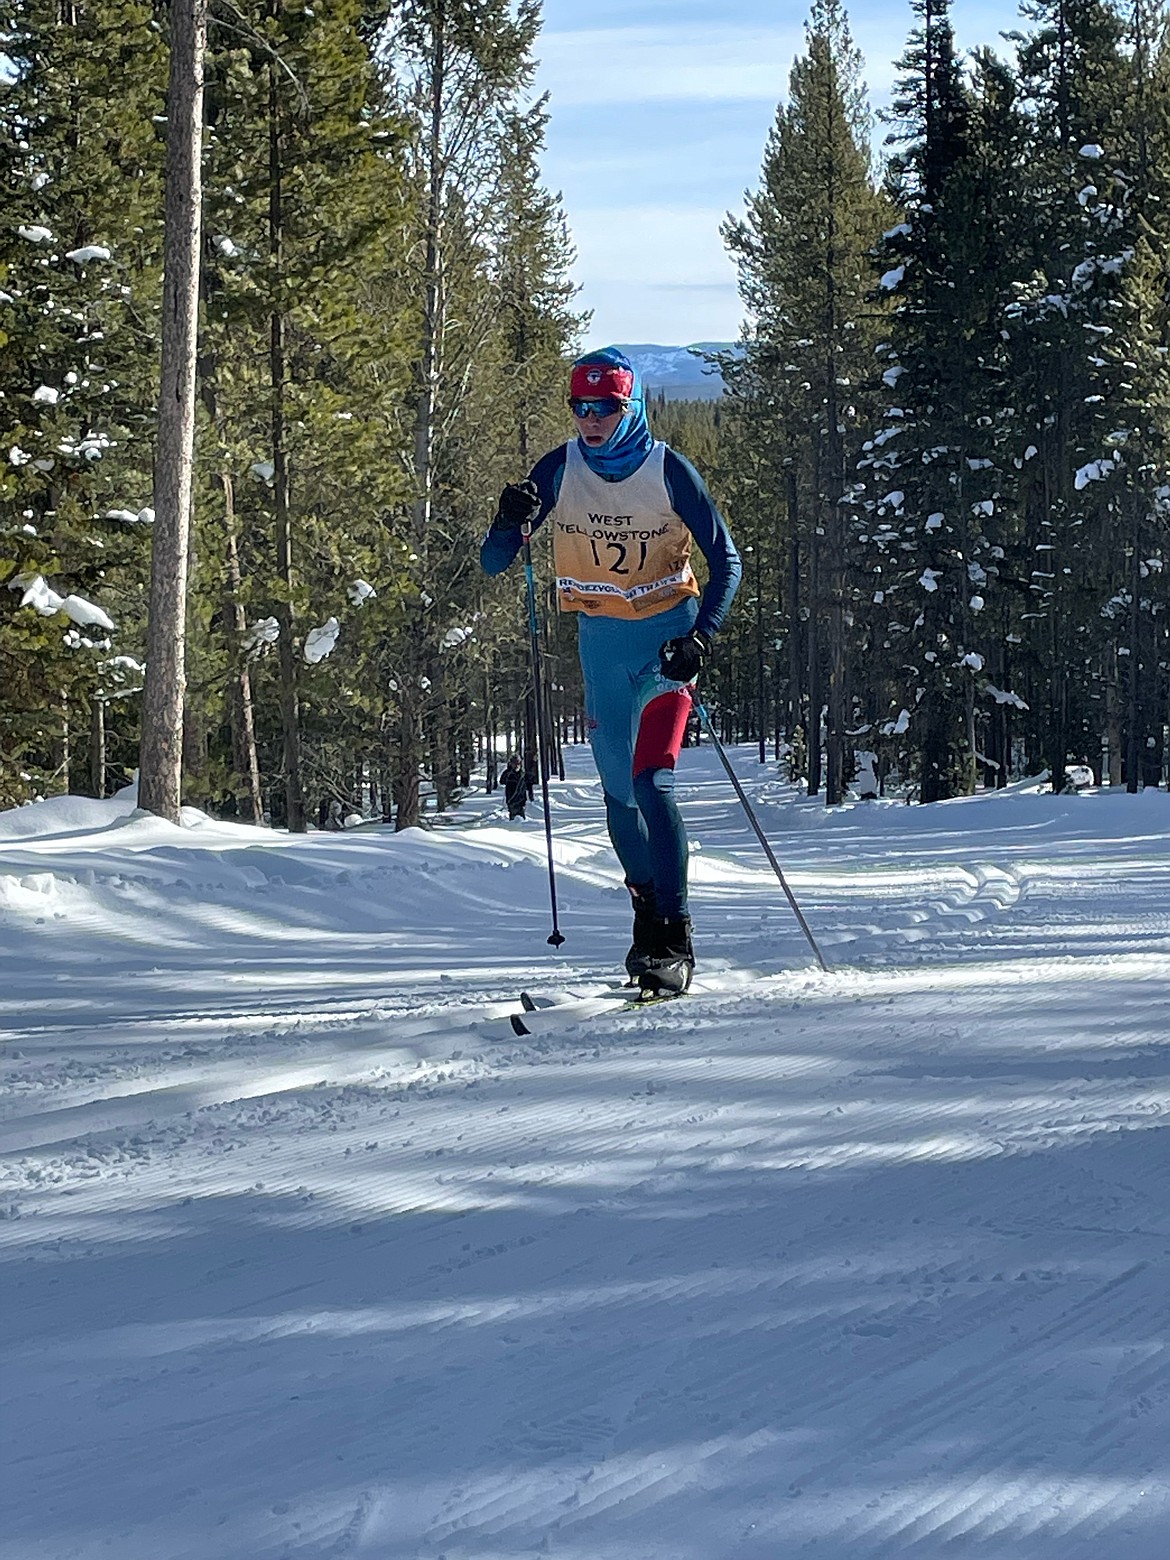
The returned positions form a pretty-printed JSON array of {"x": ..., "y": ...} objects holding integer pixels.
[{"x": 689, "y": 499}]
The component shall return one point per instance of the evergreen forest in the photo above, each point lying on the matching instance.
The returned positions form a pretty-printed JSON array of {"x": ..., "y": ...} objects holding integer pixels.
[{"x": 943, "y": 450}]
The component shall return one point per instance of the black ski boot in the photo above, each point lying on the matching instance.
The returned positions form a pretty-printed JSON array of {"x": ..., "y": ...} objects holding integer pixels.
[
  {"x": 669, "y": 971},
  {"x": 645, "y": 922}
]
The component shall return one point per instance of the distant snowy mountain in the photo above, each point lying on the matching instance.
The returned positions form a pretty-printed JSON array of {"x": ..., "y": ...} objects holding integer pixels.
[{"x": 680, "y": 373}]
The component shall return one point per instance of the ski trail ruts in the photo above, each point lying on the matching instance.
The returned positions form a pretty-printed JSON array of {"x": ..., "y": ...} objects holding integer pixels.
[
  {"x": 403, "y": 1043},
  {"x": 974, "y": 1484},
  {"x": 646, "y": 1150},
  {"x": 1022, "y": 1512},
  {"x": 817, "y": 1396},
  {"x": 1019, "y": 1500},
  {"x": 950, "y": 902},
  {"x": 318, "y": 1058},
  {"x": 975, "y": 894},
  {"x": 605, "y": 1481},
  {"x": 508, "y": 1516},
  {"x": 635, "y": 1031},
  {"x": 812, "y": 1340},
  {"x": 1014, "y": 1486},
  {"x": 464, "y": 1033},
  {"x": 981, "y": 904},
  {"x": 264, "y": 1012},
  {"x": 525, "y": 1158},
  {"x": 342, "y": 1036},
  {"x": 668, "y": 1132},
  {"x": 613, "y": 1495},
  {"x": 380, "y": 1038}
]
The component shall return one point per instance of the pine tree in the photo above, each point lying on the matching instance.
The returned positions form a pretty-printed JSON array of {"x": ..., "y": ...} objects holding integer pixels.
[
  {"x": 536, "y": 329},
  {"x": 1078, "y": 222},
  {"x": 1138, "y": 445},
  {"x": 932, "y": 474},
  {"x": 461, "y": 66},
  {"x": 303, "y": 373},
  {"x": 79, "y": 256},
  {"x": 799, "y": 384}
]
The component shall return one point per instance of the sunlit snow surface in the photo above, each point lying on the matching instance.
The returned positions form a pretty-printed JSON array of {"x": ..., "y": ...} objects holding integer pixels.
[{"x": 302, "y": 1258}]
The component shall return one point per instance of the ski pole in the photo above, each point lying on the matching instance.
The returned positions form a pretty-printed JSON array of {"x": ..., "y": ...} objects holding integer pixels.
[
  {"x": 556, "y": 937},
  {"x": 760, "y": 835}
]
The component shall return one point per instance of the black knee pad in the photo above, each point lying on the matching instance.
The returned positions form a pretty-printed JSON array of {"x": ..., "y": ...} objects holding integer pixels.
[{"x": 660, "y": 780}]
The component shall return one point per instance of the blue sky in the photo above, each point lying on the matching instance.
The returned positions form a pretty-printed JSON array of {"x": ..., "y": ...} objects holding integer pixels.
[{"x": 660, "y": 110}]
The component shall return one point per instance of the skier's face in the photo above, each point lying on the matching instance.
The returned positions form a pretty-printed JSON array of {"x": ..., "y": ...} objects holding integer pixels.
[{"x": 596, "y": 430}]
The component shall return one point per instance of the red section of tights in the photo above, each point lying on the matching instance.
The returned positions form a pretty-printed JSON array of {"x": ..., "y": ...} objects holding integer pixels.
[{"x": 661, "y": 731}]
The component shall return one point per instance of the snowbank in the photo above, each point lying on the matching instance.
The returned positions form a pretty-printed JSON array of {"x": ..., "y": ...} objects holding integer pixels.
[{"x": 67, "y": 815}]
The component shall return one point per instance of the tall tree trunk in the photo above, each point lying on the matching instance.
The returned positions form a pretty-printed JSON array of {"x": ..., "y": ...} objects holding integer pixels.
[
  {"x": 1133, "y": 720},
  {"x": 196, "y": 786},
  {"x": 489, "y": 724},
  {"x": 290, "y": 714},
  {"x": 195, "y": 753},
  {"x": 814, "y": 666},
  {"x": 405, "y": 786},
  {"x": 1112, "y": 757},
  {"x": 1057, "y": 735},
  {"x": 97, "y": 746},
  {"x": 245, "y": 784},
  {"x": 160, "y": 760},
  {"x": 427, "y": 389},
  {"x": 442, "y": 775},
  {"x": 999, "y": 731},
  {"x": 835, "y": 778},
  {"x": 63, "y": 746},
  {"x": 795, "y": 659},
  {"x": 762, "y": 722},
  {"x": 533, "y": 750},
  {"x": 245, "y": 762},
  {"x": 409, "y": 744}
]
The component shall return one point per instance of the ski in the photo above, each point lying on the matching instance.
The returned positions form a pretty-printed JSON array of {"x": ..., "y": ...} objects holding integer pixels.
[
  {"x": 616, "y": 991},
  {"x": 537, "y": 1015},
  {"x": 575, "y": 1002}
]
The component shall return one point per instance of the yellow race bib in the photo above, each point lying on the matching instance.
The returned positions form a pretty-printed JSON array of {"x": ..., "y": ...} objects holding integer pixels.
[{"x": 619, "y": 549}]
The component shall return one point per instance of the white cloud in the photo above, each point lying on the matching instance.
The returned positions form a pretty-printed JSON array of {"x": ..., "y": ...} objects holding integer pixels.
[
  {"x": 700, "y": 97},
  {"x": 664, "y": 244},
  {"x": 589, "y": 66},
  {"x": 644, "y": 313},
  {"x": 670, "y": 102},
  {"x": 668, "y": 280}
]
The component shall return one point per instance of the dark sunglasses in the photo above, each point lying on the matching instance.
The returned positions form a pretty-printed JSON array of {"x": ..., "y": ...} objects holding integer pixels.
[{"x": 605, "y": 407}]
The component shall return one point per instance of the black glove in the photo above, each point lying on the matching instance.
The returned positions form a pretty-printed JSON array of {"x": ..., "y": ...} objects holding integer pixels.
[
  {"x": 519, "y": 506},
  {"x": 682, "y": 659}
]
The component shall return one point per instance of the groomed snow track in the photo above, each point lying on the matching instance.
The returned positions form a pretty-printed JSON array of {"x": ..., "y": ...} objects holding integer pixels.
[{"x": 305, "y": 1256}]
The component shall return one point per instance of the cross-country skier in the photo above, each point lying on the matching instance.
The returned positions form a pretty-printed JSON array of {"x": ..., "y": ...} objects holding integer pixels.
[
  {"x": 515, "y": 788},
  {"x": 625, "y": 511}
]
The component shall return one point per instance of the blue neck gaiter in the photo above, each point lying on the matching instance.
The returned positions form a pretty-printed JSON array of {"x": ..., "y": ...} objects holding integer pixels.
[{"x": 631, "y": 441}]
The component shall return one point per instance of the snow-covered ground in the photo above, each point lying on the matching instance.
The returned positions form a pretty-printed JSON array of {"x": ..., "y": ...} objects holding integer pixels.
[{"x": 304, "y": 1255}]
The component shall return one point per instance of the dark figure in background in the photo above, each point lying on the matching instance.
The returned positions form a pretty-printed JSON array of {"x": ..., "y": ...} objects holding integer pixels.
[{"x": 515, "y": 788}]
